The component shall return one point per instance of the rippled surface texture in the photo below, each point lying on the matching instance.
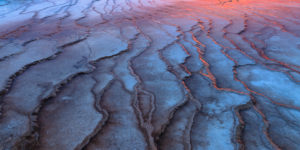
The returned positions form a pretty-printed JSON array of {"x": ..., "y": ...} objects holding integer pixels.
[{"x": 149, "y": 74}]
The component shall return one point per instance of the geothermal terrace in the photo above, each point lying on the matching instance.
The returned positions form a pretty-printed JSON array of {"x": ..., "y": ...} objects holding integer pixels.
[{"x": 149, "y": 75}]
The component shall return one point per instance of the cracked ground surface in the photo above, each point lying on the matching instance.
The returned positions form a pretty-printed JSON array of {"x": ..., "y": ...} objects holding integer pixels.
[{"x": 149, "y": 75}]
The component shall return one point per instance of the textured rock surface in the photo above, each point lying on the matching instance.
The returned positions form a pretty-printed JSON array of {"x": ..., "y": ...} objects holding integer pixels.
[{"x": 149, "y": 74}]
